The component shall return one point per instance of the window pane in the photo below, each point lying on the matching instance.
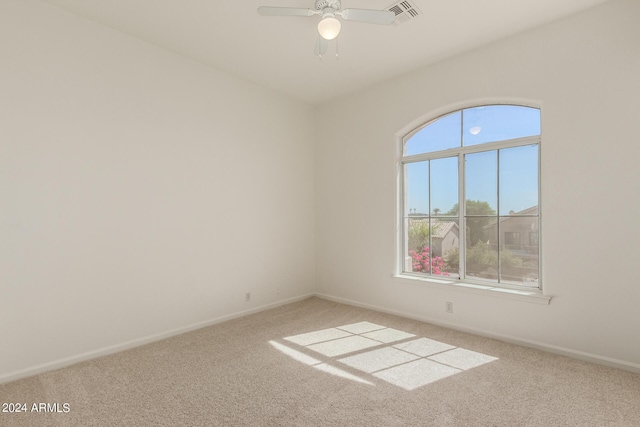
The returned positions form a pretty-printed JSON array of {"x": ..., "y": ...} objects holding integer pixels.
[
  {"x": 432, "y": 246},
  {"x": 417, "y": 188},
  {"x": 519, "y": 250},
  {"x": 444, "y": 186},
  {"x": 442, "y": 134},
  {"x": 499, "y": 123},
  {"x": 482, "y": 256},
  {"x": 519, "y": 180},
  {"x": 481, "y": 183}
]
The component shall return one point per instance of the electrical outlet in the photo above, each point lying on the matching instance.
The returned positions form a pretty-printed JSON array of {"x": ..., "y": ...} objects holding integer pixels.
[
  {"x": 449, "y": 307},
  {"x": 247, "y": 297}
]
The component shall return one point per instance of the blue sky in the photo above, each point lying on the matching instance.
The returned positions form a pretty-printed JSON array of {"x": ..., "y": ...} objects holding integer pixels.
[{"x": 518, "y": 173}]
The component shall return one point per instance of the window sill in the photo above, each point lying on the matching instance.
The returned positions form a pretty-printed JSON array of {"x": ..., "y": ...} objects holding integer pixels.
[{"x": 529, "y": 295}]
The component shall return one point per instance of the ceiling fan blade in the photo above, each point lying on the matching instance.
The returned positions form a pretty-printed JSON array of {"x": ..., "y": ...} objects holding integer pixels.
[
  {"x": 321, "y": 46},
  {"x": 285, "y": 11},
  {"x": 383, "y": 17}
]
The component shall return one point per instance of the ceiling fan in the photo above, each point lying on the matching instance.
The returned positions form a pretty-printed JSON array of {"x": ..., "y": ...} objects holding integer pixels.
[{"x": 329, "y": 26}]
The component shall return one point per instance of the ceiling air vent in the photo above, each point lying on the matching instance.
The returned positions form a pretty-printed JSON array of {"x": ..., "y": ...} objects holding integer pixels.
[{"x": 404, "y": 10}]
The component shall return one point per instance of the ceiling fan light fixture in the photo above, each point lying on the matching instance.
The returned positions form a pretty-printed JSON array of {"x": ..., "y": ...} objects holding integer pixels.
[{"x": 329, "y": 28}]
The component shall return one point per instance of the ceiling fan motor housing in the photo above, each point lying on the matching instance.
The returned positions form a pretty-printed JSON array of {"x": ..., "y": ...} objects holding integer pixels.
[{"x": 321, "y": 5}]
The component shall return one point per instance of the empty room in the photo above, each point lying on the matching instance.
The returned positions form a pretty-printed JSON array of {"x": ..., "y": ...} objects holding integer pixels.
[{"x": 319, "y": 212}]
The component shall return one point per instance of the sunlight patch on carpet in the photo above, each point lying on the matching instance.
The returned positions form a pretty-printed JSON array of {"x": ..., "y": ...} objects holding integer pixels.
[
  {"x": 317, "y": 364},
  {"x": 376, "y": 360},
  {"x": 416, "y": 374},
  {"x": 340, "y": 373},
  {"x": 343, "y": 345},
  {"x": 388, "y": 354},
  {"x": 318, "y": 336},
  {"x": 295, "y": 354}
]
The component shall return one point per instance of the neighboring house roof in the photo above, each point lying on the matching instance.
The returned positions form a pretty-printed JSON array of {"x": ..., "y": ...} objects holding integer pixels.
[
  {"x": 533, "y": 210},
  {"x": 442, "y": 228}
]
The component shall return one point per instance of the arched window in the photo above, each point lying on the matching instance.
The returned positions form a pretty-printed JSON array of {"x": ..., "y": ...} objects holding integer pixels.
[{"x": 471, "y": 195}]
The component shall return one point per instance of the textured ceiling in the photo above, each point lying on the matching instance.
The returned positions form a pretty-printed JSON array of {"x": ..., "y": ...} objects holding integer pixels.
[{"x": 278, "y": 52}]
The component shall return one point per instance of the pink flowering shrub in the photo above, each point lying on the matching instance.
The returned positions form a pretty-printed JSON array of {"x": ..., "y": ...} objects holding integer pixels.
[{"x": 420, "y": 261}]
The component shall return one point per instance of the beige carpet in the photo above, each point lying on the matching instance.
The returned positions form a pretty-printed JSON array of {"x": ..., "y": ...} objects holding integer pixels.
[{"x": 319, "y": 363}]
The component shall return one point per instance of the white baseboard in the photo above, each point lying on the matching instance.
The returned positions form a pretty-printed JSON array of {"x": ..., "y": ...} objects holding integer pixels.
[
  {"x": 61, "y": 363},
  {"x": 562, "y": 351}
]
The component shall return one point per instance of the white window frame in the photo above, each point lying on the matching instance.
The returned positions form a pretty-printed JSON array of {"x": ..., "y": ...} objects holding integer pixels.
[{"x": 460, "y": 153}]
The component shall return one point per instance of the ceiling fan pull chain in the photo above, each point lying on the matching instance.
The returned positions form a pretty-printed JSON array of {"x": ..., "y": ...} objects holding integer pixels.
[{"x": 337, "y": 57}]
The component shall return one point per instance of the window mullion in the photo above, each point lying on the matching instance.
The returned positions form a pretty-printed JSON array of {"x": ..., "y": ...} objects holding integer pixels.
[
  {"x": 404, "y": 215},
  {"x": 518, "y": 142},
  {"x": 539, "y": 218},
  {"x": 498, "y": 240},
  {"x": 462, "y": 228},
  {"x": 429, "y": 220}
]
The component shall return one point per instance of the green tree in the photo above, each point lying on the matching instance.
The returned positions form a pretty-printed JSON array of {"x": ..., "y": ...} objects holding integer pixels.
[
  {"x": 474, "y": 207},
  {"x": 475, "y": 225},
  {"x": 418, "y": 234},
  {"x": 452, "y": 259}
]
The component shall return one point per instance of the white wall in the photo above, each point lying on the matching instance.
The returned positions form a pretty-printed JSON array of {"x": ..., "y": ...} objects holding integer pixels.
[
  {"x": 583, "y": 71},
  {"x": 140, "y": 193}
]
